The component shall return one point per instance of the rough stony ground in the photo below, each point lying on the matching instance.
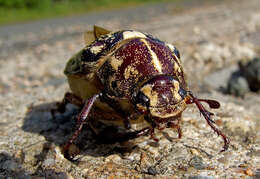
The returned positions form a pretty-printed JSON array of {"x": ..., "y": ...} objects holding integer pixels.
[{"x": 211, "y": 39}]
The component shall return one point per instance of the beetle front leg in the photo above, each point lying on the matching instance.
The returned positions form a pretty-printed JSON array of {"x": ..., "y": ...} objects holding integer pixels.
[
  {"x": 81, "y": 120},
  {"x": 151, "y": 130},
  {"x": 68, "y": 98},
  {"x": 174, "y": 124}
]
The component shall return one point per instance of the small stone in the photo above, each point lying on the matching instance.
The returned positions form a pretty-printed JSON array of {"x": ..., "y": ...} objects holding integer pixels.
[
  {"x": 251, "y": 71},
  {"x": 249, "y": 172},
  {"x": 154, "y": 151},
  {"x": 10, "y": 165},
  {"x": 19, "y": 155},
  {"x": 194, "y": 151},
  {"x": 223, "y": 160},
  {"x": 257, "y": 174},
  {"x": 73, "y": 150},
  {"x": 219, "y": 122},
  {"x": 57, "y": 175},
  {"x": 197, "y": 162},
  {"x": 145, "y": 162},
  {"x": 49, "y": 162},
  {"x": 152, "y": 171},
  {"x": 237, "y": 85},
  {"x": 113, "y": 158}
]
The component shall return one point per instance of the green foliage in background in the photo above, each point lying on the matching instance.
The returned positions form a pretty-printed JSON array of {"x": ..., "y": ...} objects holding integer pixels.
[
  {"x": 18, "y": 4},
  {"x": 12, "y": 11}
]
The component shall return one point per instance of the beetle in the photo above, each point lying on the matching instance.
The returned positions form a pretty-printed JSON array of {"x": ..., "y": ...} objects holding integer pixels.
[{"x": 130, "y": 78}]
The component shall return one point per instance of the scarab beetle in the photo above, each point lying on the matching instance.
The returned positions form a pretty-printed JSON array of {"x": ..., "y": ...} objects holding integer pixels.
[{"x": 130, "y": 78}]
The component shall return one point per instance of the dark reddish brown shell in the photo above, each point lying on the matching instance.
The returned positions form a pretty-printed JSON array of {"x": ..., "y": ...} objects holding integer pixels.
[
  {"x": 136, "y": 61},
  {"x": 118, "y": 64}
]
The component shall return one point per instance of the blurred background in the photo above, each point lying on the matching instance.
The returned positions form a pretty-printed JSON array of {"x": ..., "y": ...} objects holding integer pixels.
[{"x": 13, "y": 11}]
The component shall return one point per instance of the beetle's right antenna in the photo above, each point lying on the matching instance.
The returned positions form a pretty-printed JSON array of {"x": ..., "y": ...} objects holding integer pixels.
[
  {"x": 81, "y": 120},
  {"x": 207, "y": 115}
]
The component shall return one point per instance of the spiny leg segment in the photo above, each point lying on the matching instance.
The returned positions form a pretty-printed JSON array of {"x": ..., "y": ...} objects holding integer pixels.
[{"x": 81, "y": 120}]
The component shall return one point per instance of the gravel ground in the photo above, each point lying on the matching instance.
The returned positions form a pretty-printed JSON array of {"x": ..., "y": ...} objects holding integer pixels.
[{"x": 211, "y": 38}]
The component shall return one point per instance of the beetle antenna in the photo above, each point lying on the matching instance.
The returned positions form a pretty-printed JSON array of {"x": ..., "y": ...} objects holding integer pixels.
[
  {"x": 81, "y": 120},
  {"x": 212, "y": 103},
  {"x": 207, "y": 116}
]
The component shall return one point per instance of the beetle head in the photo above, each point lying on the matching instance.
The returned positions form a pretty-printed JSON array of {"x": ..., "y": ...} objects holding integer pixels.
[{"x": 161, "y": 97}]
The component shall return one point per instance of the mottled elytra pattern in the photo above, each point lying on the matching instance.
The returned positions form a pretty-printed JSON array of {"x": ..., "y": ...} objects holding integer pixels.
[
  {"x": 139, "y": 60},
  {"x": 101, "y": 46}
]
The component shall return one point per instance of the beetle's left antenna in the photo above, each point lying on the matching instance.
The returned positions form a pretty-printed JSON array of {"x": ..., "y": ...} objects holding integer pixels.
[{"x": 81, "y": 119}]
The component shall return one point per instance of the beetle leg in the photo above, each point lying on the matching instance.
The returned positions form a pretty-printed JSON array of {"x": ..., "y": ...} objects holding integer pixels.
[
  {"x": 152, "y": 135},
  {"x": 142, "y": 132},
  {"x": 207, "y": 116},
  {"x": 151, "y": 131},
  {"x": 68, "y": 98},
  {"x": 173, "y": 124},
  {"x": 81, "y": 120},
  {"x": 114, "y": 104}
]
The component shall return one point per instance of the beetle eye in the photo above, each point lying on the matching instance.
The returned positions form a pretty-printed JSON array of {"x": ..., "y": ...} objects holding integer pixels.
[{"x": 142, "y": 99}]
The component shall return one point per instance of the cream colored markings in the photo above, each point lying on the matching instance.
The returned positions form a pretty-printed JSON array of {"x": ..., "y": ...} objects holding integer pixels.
[
  {"x": 152, "y": 95},
  {"x": 155, "y": 61},
  {"x": 115, "y": 62},
  {"x": 175, "y": 90},
  {"x": 172, "y": 48},
  {"x": 133, "y": 34},
  {"x": 130, "y": 70},
  {"x": 176, "y": 65},
  {"x": 96, "y": 49}
]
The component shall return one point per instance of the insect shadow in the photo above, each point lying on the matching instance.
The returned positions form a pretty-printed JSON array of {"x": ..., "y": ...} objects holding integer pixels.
[
  {"x": 58, "y": 130},
  {"x": 11, "y": 167}
]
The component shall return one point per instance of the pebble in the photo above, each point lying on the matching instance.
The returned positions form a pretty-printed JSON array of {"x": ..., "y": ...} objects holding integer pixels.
[
  {"x": 49, "y": 162},
  {"x": 249, "y": 172},
  {"x": 146, "y": 162},
  {"x": 251, "y": 71},
  {"x": 113, "y": 158},
  {"x": 257, "y": 174},
  {"x": 194, "y": 152},
  {"x": 237, "y": 86},
  {"x": 198, "y": 163},
  {"x": 152, "y": 171},
  {"x": 10, "y": 165}
]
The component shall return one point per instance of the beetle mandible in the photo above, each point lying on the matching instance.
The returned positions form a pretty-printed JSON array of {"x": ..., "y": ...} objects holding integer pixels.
[{"x": 132, "y": 78}]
